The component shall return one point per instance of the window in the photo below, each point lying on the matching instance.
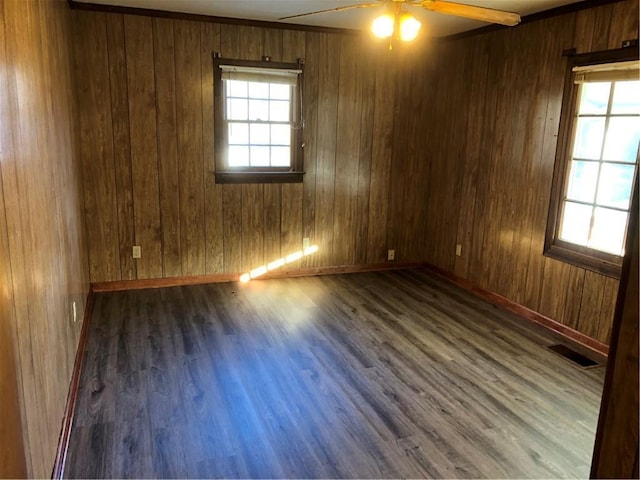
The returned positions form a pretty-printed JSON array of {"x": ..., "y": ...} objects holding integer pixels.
[
  {"x": 258, "y": 121},
  {"x": 596, "y": 161}
]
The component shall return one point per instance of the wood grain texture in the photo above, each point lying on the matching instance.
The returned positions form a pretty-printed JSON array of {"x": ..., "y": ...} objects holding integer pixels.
[
  {"x": 96, "y": 145},
  {"x": 273, "y": 212},
  {"x": 189, "y": 129},
  {"x": 569, "y": 333},
  {"x": 168, "y": 162},
  {"x": 185, "y": 223},
  {"x": 144, "y": 149},
  {"x": 291, "y": 218},
  {"x": 392, "y": 374},
  {"x": 231, "y": 194},
  {"x": 72, "y": 398},
  {"x": 121, "y": 142},
  {"x": 402, "y": 151},
  {"x": 210, "y": 42},
  {"x": 347, "y": 153},
  {"x": 381, "y": 154},
  {"x": 221, "y": 278},
  {"x": 489, "y": 163},
  {"x": 12, "y": 453},
  {"x": 328, "y": 65},
  {"x": 44, "y": 265}
]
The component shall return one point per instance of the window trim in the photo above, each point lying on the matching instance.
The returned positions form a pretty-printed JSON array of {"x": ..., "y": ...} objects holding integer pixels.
[
  {"x": 292, "y": 174},
  {"x": 578, "y": 255}
]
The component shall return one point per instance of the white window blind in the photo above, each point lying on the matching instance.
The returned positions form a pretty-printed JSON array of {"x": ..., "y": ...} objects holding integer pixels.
[
  {"x": 609, "y": 72},
  {"x": 260, "y": 74}
]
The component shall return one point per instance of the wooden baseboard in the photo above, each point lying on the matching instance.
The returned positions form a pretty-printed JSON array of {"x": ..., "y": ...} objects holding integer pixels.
[
  {"x": 549, "y": 323},
  {"x": 496, "y": 299},
  {"x": 67, "y": 421},
  {"x": 221, "y": 278}
]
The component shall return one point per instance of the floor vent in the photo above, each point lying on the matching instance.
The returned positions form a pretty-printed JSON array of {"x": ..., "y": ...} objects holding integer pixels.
[{"x": 574, "y": 356}]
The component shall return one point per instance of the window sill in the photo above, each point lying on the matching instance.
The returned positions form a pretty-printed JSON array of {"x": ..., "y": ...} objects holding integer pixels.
[
  {"x": 585, "y": 261},
  {"x": 259, "y": 177}
]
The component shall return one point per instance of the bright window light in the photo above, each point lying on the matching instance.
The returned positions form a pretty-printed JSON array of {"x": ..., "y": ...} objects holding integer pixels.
[{"x": 597, "y": 197}]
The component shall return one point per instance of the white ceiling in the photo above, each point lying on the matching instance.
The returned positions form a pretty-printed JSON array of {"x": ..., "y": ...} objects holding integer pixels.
[{"x": 435, "y": 24}]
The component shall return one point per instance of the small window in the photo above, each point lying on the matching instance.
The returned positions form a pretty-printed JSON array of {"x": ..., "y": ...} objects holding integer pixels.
[
  {"x": 596, "y": 162},
  {"x": 258, "y": 121}
]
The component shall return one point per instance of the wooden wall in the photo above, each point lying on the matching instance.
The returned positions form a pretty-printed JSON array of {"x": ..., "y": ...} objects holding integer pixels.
[
  {"x": 483, "y": 154},
  {"x": 415, "y": 151},
  {"x": 43, "y": 261},
  {"x": 145, "y": 105}
]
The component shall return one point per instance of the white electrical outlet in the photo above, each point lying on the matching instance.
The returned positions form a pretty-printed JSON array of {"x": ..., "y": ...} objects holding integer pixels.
[
  {"x": 391, "y": 255},
  {"x": 458, "y": 250},
  {"x": 74, "y": 312},
  {"x": 137, "y": 251},
  {"x": 305, "y": 243}
]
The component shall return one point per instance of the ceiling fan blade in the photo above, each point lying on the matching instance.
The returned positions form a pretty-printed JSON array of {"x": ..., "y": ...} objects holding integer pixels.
[
  {"x": 338, "y": 9},
  {"x": 469, "y": 11}
]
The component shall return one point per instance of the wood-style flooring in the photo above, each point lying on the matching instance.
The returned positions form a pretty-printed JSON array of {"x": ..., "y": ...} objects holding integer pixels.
[{"x": 371, "y": 375}]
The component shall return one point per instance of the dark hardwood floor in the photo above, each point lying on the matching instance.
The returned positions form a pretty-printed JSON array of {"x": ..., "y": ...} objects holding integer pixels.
[{"x": 388, "y": 374}]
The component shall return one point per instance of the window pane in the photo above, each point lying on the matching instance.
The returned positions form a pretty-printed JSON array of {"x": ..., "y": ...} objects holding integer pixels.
[
  {"x": 582, "y": 181},
  {"x": 622, "y": 139},
  {"x": 236, "y": 88},
  {"x": 258, "y": 90},
  {"x": 595, "y": 98},
  {"x": 238, "y": 133},
  {"x": 259, "y": 156},
  {"x": 615, "y": 184},
  {"x": 626, "y": 97},
  {"x": 237, "y": 109},
  {"x": 280, "y": 91},
  {"x": 575, "y": 223},
  {"x": 280, "y": 156},
  {"x": 280, "y": 134},
  {"x": 259, "y": 110},
  {"x": 238, "y": 156},
  {"x": 259, "y": 134},
  {"x": 589, "y": 133},
  {"x": 608, "y": 230},
  {"x": 279, "y": 111}
]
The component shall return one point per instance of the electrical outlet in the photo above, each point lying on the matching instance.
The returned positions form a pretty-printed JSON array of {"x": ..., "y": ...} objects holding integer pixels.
[
  {"x": 137, "y": 251},
  {"x": 391, "y": 255},
  {"x": 458, "y": 250},
  {"x": 74, "y": 312},
  {"x": 305, "y": 243}
]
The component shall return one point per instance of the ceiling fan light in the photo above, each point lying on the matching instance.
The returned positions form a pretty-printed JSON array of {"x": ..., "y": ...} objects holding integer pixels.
[
  {"x": 409, "y": 28},
  {"x": 383, "y": 26}
]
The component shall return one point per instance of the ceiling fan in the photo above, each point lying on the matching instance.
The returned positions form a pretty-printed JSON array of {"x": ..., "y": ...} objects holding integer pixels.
[{"x": 397, "y": 20}]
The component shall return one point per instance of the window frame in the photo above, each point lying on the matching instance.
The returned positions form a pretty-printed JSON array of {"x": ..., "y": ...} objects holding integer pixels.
[
  {"x": 591, "y": 259},
  {"x": 225, "y": 174}
]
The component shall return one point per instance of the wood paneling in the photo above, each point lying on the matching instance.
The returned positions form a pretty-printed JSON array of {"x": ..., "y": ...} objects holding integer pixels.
[
  {"x": 184, "y": 222},
  {"x": 168, "y": 167},
  {"x": 291, "y": 219},
  {"x": 144, "y": 149},
  {"x": 490, "y": 128},
  {"x": 43, "y": 267},
  {"x": 121, "y": 142},
  {"x": 419, "y": 149},
  {"x": 214, "y": 239},
  {"x": 12, "y": 457},
  {"x": 189, "y": 126}
]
